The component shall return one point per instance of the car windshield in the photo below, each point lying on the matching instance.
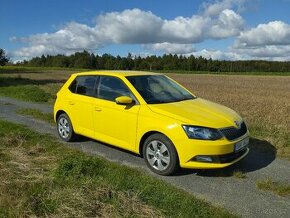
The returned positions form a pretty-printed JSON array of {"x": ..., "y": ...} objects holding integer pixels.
[{"x": 156, "y": 89}]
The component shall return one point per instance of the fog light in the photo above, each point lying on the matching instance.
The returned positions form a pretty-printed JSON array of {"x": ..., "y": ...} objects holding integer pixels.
[{"x": 203, "y": 158}]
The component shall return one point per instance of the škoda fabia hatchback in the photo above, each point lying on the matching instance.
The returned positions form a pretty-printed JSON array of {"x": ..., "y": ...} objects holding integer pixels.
[{"x": 151, "y": 115}]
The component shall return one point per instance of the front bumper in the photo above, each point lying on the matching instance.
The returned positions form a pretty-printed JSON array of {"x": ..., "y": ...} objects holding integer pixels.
[{"x": 204, "y": 154}]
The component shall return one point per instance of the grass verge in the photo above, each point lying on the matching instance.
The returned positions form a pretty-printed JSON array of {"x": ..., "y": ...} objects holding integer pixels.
[
  {"x": 37, "y": 114},
  {"x": 41, "y": 177},
  {"x": 25, "y": 93},
  {"x": 23, "y": 89},
  {"x": 278, "y": 188}
]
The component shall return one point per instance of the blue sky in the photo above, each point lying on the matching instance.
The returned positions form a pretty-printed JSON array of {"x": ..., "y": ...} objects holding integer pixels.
[{"x": 218, "y": 29}]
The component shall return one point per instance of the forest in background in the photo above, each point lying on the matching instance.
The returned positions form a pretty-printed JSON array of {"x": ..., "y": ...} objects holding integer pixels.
[{"x": 166, "y": 62}]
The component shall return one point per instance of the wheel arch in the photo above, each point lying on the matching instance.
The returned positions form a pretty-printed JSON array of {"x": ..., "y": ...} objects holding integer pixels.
[{"x": 58, "y": 113}]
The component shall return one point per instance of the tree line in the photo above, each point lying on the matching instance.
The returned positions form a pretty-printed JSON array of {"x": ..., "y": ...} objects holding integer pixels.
[{"x": 166, "y": 62}]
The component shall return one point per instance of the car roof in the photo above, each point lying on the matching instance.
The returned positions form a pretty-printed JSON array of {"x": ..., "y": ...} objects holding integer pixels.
[{"x": 115, "y": 73}]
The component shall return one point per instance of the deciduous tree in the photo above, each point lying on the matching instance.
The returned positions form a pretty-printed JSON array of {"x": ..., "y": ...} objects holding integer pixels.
[{"x": 3, "y": 57}]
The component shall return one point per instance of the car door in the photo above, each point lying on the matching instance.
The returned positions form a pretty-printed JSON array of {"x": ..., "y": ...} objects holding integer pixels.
[
  {"x": 81, "y": 104},
  {"x": 115, "y": 124}
]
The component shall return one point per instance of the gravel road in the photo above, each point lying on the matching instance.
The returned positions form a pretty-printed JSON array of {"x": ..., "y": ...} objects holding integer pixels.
[{"x": 219, "y": 187}]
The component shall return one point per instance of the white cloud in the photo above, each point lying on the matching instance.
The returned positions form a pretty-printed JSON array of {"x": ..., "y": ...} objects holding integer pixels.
[
  {"x": 31, "y": 51},
  {"x": 268, "y": 41},
  {"x": 267, "y": 51},
  {"x": 132, "y": 26},
  {"x": 218, "y": 55},
  {"x": 272, "y": 33},
  {"x": 171, "y": 48},
  {"x": 214, "y": 9},
  {"x": 228, "y": 24},
  {"x": 129, "y": 26},
  {"x": 185, "y": 30}
]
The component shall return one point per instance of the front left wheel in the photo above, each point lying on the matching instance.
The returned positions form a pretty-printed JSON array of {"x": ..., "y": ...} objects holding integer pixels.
[
  {"x": 160, "y": 155},
  {"x": 64, "y": 128}
]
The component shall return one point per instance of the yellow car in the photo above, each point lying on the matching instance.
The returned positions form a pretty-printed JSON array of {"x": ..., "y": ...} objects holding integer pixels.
[{"x": 151, "y": 115}]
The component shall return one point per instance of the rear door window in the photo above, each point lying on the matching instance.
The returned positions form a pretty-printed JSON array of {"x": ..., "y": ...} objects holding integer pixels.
[{"x": 112, "y": 87}]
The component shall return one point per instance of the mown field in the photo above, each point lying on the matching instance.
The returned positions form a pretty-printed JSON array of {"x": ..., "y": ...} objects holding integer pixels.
[{"x": 263, "y": 101}]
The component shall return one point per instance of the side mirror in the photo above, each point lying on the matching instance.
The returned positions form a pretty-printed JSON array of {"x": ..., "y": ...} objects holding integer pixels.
[{"x": 124, "y": 100}]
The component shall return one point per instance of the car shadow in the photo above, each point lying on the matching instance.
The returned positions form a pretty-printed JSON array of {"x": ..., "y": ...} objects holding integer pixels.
[
  {"x": 80, "y": 139},
  {"x": 261, "y": 154}
]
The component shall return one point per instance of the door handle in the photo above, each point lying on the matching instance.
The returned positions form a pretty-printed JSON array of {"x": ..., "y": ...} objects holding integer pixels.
[
  {"x": 71, "y": 102},
  {"x": 98, "y": 109}
]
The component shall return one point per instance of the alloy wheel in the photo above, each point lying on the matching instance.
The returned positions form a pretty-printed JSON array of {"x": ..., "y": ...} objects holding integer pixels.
[
  {"x": 63, "y": 127},
  {"x": 157, "y": 155}
]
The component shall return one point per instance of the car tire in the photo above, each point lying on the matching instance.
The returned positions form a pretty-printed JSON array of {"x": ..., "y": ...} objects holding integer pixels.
[
  {"x": 65, "y": 128},
  {"x": 160, "y": 155}
]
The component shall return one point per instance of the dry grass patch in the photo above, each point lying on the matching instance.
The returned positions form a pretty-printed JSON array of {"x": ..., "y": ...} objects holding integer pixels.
[
  {"x": 239, "y": 174},
  {"x": 278, "y": 188},
  {"x": 103, "y": 201},
  {"x": 11, "y": 139}
]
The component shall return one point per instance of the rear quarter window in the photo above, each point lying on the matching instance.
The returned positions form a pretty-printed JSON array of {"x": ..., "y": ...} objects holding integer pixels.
[
  {"x": 73, "y": 86},
  {"x": 84, "y": 85}
]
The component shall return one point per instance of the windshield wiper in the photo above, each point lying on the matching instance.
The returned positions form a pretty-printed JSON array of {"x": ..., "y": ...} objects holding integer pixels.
[{"x": 184, "y": 99}]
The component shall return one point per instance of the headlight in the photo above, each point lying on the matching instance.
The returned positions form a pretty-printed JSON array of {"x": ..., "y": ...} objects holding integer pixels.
[{"x": 198, "y": 132}]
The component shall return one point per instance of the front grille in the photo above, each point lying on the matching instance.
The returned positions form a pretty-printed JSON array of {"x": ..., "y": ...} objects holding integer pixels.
[{"x": 232, "y": 133}]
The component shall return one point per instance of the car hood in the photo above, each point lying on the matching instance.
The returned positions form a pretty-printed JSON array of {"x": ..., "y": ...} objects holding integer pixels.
[{"x": 198, "y": 112}]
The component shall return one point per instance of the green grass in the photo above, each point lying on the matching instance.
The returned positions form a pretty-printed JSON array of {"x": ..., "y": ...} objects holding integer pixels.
[
  {"x": 25, "y": 93},
  {"x": 23, "y": 89},
  {"x": 37, "y": 114},
  {"x": 278, "y": 188},
  {"x": 282, "y": 139},
  {"x": 239, "y": 174},
  {"x": 41, "y": 177}
]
